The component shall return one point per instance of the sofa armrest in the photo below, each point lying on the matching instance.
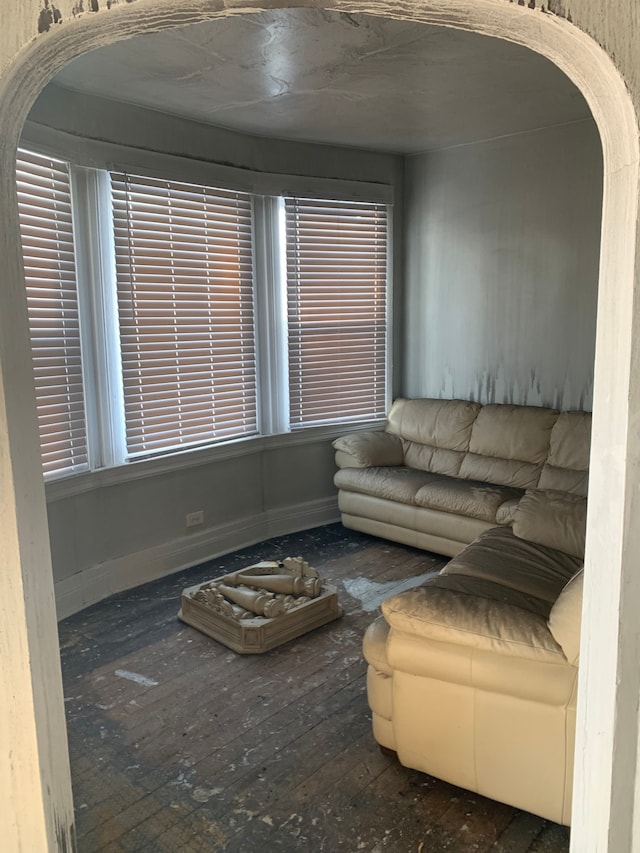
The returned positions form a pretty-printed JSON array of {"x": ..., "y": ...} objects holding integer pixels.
[
  {"x": 482, "y": 622},
  {"x": 373, "y": 448},
  {"x": 566, "y": 616},
  {"x": 374, "y": 646}
]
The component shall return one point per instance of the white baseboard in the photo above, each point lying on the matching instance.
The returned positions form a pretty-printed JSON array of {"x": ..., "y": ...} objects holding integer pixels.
[{"x": 97, "y": 582}]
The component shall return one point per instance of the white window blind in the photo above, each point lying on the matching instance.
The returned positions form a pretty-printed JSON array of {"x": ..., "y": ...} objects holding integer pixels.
[
  {"x": 44, "y": 204},
  {"x": 184, "y": 273},
  {"x": 337, "y": 320}
]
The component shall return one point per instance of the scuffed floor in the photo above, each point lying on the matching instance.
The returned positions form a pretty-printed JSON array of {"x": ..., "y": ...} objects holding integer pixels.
[{"x": 178, "y": 744}]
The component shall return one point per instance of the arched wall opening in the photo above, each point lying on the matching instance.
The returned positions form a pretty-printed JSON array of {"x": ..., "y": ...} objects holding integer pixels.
[{"x": 37, "y": 787}]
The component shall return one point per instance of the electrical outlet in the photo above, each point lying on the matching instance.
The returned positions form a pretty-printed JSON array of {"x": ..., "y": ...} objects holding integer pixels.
[{"x": 193, "y": 519}]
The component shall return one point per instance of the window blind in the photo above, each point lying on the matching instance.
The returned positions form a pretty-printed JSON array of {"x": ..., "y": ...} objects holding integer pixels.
[
  {"x": 184, "y": 274},
  {"x": 336, "y": 296},
  {"x": 44, "y": 204}
]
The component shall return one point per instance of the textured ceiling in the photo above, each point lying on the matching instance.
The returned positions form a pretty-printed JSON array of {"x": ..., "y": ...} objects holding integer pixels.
[{"x": 312, "y": 75}]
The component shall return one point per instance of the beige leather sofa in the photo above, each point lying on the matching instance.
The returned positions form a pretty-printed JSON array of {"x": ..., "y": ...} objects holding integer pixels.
[
  {"x": 472, "y": 676},
  {"x": 444, "y": 471}
]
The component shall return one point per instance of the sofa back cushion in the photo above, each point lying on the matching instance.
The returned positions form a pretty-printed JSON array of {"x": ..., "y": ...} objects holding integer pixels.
[
  {"x": 435, "y": 433},
  {"x": 502, "y": 472},
  {"x": 567, "y": 465},
  {"x": 509, "y": 445},
  {"x": 553, "y": 519},
  {"x": 439, "y": 423},
  {"x": 524, "y": 447}
]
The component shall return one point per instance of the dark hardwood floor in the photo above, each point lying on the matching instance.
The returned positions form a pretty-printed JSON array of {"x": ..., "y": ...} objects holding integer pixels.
[{"x": 179, "y": 744}]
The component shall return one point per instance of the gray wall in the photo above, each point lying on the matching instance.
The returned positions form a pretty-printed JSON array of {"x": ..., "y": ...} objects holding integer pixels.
[
  {"x": 502, "y": 259},
  {"x": 255, "y": 493}
]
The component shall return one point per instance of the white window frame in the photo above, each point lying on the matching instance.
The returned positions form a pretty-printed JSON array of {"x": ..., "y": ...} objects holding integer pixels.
[
  {"x": 271, "y": 316},
  {"x": 102, "y": 368}
]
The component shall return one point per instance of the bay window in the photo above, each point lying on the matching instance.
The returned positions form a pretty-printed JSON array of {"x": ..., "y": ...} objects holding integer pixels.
[{"x": 200, "y": 314}]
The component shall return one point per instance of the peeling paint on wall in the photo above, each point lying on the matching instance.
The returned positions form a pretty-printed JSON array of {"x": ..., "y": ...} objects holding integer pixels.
[{"x": 49, "y": 14}]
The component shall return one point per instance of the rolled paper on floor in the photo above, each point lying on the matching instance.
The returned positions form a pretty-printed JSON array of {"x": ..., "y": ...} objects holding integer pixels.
[
  {"x": 285, "y": 584},
  {"x": 260, "y": 603},
  {"x": 237, "y": 612},
  {"x": 266, "y": 567}
]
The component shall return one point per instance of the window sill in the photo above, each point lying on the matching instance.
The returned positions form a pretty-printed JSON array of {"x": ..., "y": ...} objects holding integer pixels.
[{"x": 140, "y": 469}]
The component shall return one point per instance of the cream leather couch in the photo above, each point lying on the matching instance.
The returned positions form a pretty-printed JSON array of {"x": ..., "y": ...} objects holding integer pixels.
[
  {"x": 472, "y": 677},
  {"x": 444, "y": 471}
]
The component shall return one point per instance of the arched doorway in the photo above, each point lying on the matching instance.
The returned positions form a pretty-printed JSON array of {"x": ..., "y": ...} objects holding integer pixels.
[{"x": 37, "y": 784}]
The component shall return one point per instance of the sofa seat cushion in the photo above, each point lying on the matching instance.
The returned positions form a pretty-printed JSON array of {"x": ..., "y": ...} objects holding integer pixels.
[
  {"x": 450, "y": 616},
  {"x": 465, "y": 497},
  {"x": 499, "y": 556},
  {"x": 393, "y": 483},
  {"x": 496, "y": 592}
]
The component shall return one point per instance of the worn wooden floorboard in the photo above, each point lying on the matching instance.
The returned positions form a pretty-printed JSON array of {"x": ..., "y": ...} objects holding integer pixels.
[
  {"x": 179, "y": 744},
  {"x": 518, "y": 837},
  {"x": 469, "y": 824}
]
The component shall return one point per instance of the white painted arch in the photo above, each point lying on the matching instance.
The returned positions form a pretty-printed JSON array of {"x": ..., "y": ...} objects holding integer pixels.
[{"x": 34, "y": 784}]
